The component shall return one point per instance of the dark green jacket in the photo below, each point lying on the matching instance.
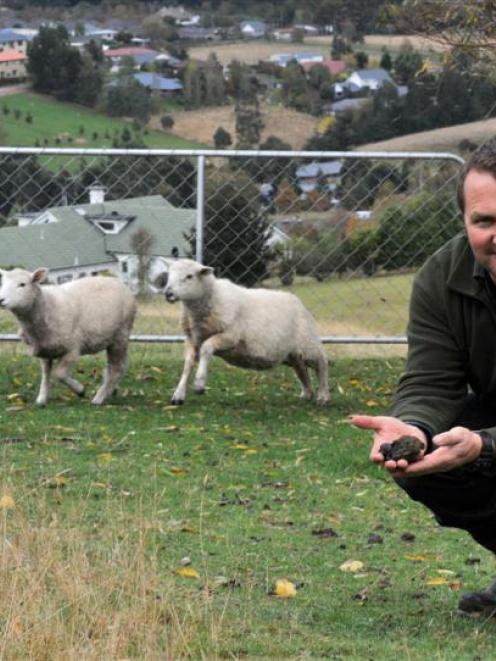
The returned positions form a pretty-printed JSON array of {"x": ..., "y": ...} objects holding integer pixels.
[{"x": 451, "y": 337}]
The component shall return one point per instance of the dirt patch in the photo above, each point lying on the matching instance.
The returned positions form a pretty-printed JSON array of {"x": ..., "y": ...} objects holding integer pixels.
[
  {"x": 251, "y": 52},
  {"x": 200, "y": 125}
]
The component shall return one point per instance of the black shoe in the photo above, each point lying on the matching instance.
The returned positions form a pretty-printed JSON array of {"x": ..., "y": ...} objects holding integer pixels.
[{"x": 479, "y": 604}]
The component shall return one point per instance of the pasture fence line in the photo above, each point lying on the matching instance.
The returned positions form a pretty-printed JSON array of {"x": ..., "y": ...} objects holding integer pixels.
[{"x": 345, "y": 231}]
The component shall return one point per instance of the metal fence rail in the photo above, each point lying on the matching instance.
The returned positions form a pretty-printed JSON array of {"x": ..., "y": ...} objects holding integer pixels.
[{"x": 345, "y": 231}]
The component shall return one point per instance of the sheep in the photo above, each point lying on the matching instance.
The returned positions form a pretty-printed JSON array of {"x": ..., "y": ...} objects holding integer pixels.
[
  {"x": 62, "y": 322},
  {"x": 252, "y": 328}
]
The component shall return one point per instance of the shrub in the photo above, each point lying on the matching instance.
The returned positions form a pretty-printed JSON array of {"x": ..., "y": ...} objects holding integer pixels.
[{"x": 167, "y": 121}]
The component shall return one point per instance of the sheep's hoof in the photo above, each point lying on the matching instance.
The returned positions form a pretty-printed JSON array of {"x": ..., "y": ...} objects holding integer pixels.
[
  {"x": 81, "y": 394},
  {"x": 199, "y": 391},
  {"x": 40, "y": 403},
  {"x": 323, "y": 401},
  {"x": 177, "y": 402}
]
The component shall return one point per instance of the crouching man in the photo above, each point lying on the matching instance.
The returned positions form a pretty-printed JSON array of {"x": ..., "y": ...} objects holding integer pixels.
[{"x": 447, "y": 395}]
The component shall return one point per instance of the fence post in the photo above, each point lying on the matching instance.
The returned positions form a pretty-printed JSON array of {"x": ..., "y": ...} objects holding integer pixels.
[{"x": 200, "y": 206}]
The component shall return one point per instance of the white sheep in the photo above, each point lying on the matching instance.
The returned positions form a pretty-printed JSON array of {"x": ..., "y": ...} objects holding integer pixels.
[
  {"x": 62, "y": 322},
  {"x": 254, "y": 328}
]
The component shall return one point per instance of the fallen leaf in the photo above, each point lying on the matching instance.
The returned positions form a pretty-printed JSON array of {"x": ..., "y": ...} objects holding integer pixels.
[
  {"x": 104, "y": 457},
  {"x": 7, "y": 502},
  {"x": 352, "y": 566},
  {"x": 437, "y": 580},
  {"x": 178, "y": 472},
  {"x": 371, "y": 403},
  {"x": 325, "y": 532},
  {"x": 418, "y": 558},
  {"x": 284, "y": 589},
  {"x": 187, "y": 572}
]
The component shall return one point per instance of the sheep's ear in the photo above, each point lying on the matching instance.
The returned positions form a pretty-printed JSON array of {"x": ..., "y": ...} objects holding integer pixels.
[
  {"x": 205, "y": 270},
  {"x": 40, "y": 275},
  {"x": 161, "y": 280}
]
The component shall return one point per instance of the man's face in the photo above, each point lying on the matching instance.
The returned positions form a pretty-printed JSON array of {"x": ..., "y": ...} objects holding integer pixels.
[{"x": 480, "y": 218}]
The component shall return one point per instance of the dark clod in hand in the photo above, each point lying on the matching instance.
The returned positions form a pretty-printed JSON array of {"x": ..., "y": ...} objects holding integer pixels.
[{"x": 404, "y": 447}]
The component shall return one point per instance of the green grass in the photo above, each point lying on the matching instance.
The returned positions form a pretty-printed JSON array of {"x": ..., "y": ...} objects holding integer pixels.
[
  {"x": 108, "y": 501},
  {"x": 53, "y": 119}
]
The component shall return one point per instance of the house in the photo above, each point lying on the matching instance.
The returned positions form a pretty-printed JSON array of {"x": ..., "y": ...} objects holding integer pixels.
[
  {"x": 155, "y": 83},
  {"x": 253, "y": 29},
  {"x": 196, "y": 33},
  {"x": 309, "y": 177},
  {"x": 12, "y": 66},
  {"x": 11, "y": 40},
  {"x": 86, "y": 239},
  {"x": 303, "y": 57},
  {"x": 137, "y": 53},
  {"x": 283, "y": 34},
  {"x": 373, "y": 79}
]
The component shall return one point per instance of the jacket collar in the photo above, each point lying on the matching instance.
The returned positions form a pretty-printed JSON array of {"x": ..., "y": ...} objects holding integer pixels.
[{"x": 466, "y": 275}]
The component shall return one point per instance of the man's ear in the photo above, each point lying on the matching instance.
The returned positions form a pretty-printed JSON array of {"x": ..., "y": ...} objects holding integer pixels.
[
  {"x": 161, "y": 280},
  {"x": 40, "y": 275}
]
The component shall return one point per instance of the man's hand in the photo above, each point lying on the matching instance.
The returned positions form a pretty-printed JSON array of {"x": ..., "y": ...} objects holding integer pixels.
[
  {"x": 387, "y": 429},
  {"x": 454, "y": 448}
]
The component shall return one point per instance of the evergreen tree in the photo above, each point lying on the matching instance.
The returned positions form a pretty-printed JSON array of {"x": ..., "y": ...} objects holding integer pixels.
[{"x": 249, "y": 124}]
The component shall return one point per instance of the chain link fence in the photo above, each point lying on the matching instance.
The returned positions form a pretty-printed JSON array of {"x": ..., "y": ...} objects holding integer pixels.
[{"x": 345, "y": 231}]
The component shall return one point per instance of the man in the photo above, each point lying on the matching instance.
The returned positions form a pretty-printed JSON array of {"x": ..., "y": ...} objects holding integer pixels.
[{"x": 447, "y": 395}]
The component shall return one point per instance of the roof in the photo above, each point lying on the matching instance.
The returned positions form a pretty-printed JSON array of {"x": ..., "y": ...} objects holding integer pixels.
[
  {"x": 129, "y": 51},
  {"x": 12, "y": 56},
  {"x": 334, "y": 66},
  {"x": 7, "y": 35},
  {"x": 159, "y": 83},
  {"x": 316, "y": 168},
  {"x": 75, "y": 241},
  {"x": 380, "y": 75}
]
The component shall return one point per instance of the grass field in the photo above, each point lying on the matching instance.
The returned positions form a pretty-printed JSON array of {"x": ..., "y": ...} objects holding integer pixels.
[
  {"x": 141, "y": 530},
  {"x": 52, "y": 121}
]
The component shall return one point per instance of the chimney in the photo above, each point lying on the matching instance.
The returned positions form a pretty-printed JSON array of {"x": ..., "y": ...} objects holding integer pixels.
[{"x": 97, "y": 194}]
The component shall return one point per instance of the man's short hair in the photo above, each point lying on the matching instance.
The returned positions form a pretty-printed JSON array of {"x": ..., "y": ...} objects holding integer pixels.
[{"x": 482, "y": 159}]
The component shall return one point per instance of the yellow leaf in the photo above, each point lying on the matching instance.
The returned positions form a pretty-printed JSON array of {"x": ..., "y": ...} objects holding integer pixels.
[
  {"x": 187, "y": 572},
  {"x": 438, "y": 580},
  {"x": 251, "y": 451},
  {"x": 104, "y": 457},
  {"x": 371, "y": 402},
  {"x": 240, "y": 446},
  {"x": 445, "y": 572},
  {"x": 156, "y": 369},
  {"x": 417, "y": 558},
  {"x": 284, "y": 589},
  {"x": 179, "y": 472},
  {"x": 7, "y": 502},
  {"x": 352, "y": 566}
]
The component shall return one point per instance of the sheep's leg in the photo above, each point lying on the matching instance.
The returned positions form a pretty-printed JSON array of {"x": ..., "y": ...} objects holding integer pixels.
[
  {"x": 189, "y": 360},
  {"x": 302, "y": 373},
  {"x": 46, "y": 368},
  {"x": 116, "y": 364},
  {"x": 62, "y": 373},
  {"x": 220, "y": 342},
  {"x": 321, "y": 368}
]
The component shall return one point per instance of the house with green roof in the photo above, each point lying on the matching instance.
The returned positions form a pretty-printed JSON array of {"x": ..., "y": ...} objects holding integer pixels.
[{"x": 86, "y": 239}]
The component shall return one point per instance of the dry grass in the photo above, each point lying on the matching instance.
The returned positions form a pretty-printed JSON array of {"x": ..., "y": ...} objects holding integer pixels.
[
  {"x": 67, "y": 594},
  {"x": 442, "y": 139},
  {"x": 200, "y": 125},
  {"x": 395, "y": 42}
]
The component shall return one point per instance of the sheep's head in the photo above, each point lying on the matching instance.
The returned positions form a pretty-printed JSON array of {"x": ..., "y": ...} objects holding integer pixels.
[
  {"x": 184, "y": 280},
  {"x": 19, "y": 288}
]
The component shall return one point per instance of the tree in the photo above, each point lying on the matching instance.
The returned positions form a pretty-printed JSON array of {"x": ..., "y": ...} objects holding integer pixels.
[
  {"x": 167, "y": 121},
  {"x": 90, "y": 82},
  {"x": 128, "y": 98},
  {"x": 222, "y": 138},
  {"x": 386, "y": 61},
  {"x": 141, "y": 242},
  {"x": 249, "y": 124},
  {"x": 407, "y": 63},
  {"x": 54, "y": 65},
  {"x": 235, "y": 231},
  {"x": 361, "y": 59}
]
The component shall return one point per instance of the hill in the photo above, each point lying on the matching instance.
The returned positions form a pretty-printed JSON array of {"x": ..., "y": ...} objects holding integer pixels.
[{"x": 443, "y": 139}]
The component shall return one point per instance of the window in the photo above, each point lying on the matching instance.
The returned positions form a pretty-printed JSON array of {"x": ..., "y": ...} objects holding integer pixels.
[{"x": 124, "y": 267}]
